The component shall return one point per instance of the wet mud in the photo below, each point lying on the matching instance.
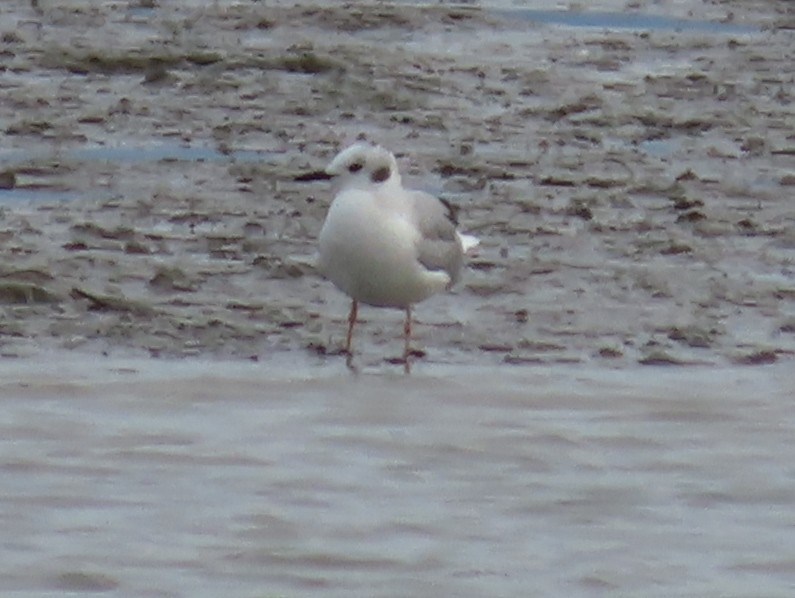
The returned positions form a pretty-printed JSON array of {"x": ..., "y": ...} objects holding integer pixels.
[{"x": 632, "y": 187}]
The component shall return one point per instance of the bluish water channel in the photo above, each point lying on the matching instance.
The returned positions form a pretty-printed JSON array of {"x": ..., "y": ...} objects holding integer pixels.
[
  {"x": 145, "y": 152},
  {"x": 629, "y": 20}
]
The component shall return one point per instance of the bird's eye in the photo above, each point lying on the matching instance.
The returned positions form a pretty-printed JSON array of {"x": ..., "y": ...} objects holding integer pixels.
[{"x": 355, "y": 167}]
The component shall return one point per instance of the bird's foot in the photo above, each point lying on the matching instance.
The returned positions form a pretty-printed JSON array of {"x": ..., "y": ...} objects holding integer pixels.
[{"x": 349, "y": 362}]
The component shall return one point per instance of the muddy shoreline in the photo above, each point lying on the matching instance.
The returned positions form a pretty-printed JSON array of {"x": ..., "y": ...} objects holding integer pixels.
[{"x": 632, "y": 189}]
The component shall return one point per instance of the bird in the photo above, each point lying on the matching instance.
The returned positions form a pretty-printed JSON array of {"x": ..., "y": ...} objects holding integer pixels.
[{"x": 384, "y": 245}]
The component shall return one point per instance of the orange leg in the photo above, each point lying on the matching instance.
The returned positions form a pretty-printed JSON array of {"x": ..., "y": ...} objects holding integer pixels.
[
  {"x": 407, "y": 339},
  {"x": 348, "y": 341}
]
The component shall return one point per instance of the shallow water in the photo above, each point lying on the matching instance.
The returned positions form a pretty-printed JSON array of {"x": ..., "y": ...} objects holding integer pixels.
[{"x": 194, "y": 478}]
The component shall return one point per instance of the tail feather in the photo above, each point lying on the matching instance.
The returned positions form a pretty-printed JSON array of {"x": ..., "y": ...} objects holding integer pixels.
[{"x": 468, "y": 241}]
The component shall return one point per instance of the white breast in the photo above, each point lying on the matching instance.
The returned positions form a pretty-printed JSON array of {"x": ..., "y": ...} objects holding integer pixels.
[{"x": 368, "y": 250}]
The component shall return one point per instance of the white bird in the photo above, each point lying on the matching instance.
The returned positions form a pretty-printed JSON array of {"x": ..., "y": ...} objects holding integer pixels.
[{"x": 382, "y": 244}]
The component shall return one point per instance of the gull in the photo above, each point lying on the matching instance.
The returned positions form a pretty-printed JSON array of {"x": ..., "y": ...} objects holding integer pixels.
[{"x": 382, "y": 244}]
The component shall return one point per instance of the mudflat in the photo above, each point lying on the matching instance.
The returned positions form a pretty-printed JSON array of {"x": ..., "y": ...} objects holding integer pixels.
[{"x": 632, "y": 187}]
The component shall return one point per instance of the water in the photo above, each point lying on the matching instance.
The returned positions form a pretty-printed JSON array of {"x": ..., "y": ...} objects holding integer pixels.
[
  {"x": 625, "y": 20},
  {"x": 148, "y": 478},
  {"x": 43, "y": 195},
  {"x": 154, "y": 151},
  {"x": 123, "y": 153}
]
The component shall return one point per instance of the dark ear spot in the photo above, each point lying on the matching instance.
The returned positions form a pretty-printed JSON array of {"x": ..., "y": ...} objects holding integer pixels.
[
  {"x": 379, "y": 175},
  {"x": 355, "y": 167}
]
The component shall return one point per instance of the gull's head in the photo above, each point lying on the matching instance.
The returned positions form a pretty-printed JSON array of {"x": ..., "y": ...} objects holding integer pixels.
[{"x": 363, "y": 165}]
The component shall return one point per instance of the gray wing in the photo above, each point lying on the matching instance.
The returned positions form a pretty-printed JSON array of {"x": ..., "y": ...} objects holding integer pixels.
[{"x": 439, "y": 247}]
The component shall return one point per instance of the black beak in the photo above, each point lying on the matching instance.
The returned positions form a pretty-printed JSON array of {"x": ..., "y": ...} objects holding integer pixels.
[{"x": 315, "y": 175}]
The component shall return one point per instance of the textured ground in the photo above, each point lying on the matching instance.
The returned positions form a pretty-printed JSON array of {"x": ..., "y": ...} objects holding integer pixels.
[{"x": 633, "y": 190}]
